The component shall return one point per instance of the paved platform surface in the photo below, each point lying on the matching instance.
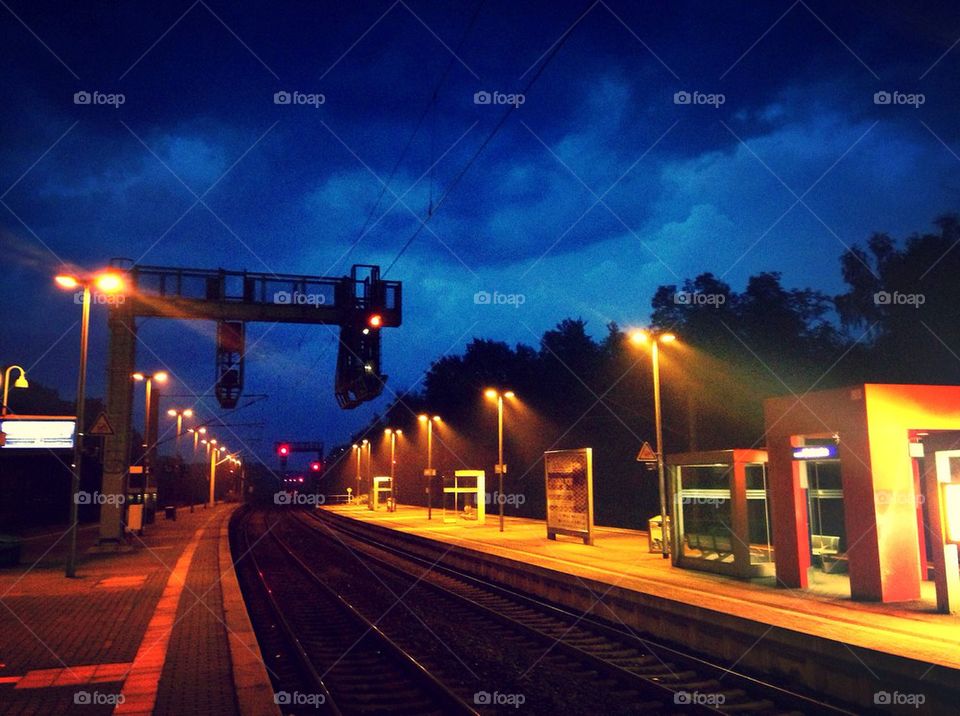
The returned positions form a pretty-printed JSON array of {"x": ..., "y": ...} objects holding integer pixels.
[
  {"x": 621, "y": 557},
  {"x": 139, "y": 632}
]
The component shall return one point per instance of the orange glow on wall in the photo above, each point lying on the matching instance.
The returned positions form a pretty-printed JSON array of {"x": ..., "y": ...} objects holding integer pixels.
[{"x": 951, "y": 508}]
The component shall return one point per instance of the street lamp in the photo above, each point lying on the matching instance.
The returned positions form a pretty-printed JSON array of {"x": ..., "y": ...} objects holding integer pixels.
[
  {"x": 369, "y": 446},
  {"x": 499, "y": 468},
  {"x": 358, "y": 450},
  {"x": 149, "y": 427},
  {"x": 429, "y": 473},
  {"x": 393, "y": 460},
  {"x": 105, "y": 282},
  {"x": 179, "y": 414},
  {"x": 655, "y": 339},
  {"x": 20, "y": 382}
]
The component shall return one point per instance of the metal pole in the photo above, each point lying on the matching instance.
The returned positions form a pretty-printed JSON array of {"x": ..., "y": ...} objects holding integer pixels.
[
  {"x": 359, "y": 450},
  {"x": 71, "y": 570},
  {"x": 500, "y": 456},
  {"x": 393, "y": 463},
  {"x": 429, "y": 467},
  {"x": 661, "y": 479},
  {"x": 213, "y": 474},
  {"x": 148, "y": 455}
]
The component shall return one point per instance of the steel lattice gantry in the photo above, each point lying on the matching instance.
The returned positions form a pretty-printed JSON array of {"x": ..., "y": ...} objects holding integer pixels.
[{"x": 360, "y": 304}]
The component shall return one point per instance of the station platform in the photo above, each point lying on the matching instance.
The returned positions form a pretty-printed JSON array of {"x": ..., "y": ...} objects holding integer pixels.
[
  {"x": 818, "y": 641},
  {"x": 160, "y": 628}
]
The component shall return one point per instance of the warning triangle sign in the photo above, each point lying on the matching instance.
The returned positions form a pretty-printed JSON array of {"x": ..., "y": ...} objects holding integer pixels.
[
  {"x": 646, "y": 453},
  {"x": 101, "y": 426}
]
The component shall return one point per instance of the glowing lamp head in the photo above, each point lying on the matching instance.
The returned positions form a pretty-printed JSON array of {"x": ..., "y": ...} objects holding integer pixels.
[
  {"x": 422, "y": 418},
  {"x": 21, "y": 382},
  {"x": 356, "y": 447},
  {"x": 160, "y": 377},
  {"x": 490, "y": 393},
  {"x": 66, "y": 281},
  {"x": 109, "y": 282},
  {"x": 202, "y": 431},
  {"x": 639, "y": 337},
  {"x": 138, "y": 376},
  {"x": 188, "y": 413},
  {"x": 172, "y": 413},
  {"x": 509, "y": 394},
  {"x": 375, "y": 320},
  {"x": 668, "y": 338}
]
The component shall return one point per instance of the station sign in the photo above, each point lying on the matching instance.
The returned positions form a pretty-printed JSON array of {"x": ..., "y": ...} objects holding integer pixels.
[
  {"x": 38, "y": 432},
  {"x": 569, "y": 481},
  {"x": 815, "y": 452}
]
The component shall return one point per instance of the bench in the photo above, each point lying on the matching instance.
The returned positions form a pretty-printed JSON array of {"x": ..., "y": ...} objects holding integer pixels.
[{"x": 711, "y": 547}]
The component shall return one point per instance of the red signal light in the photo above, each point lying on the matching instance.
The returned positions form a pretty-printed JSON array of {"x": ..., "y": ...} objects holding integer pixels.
[
  {"x": 315, "y": 466},
  {"x": 375, "y": 320},
  {"x": 283, "y": 450}
]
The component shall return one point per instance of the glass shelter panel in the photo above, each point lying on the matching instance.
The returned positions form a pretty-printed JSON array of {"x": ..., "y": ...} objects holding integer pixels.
[
  {"x": 704, "y": 499},
  {"x": 759, "y": 528}
]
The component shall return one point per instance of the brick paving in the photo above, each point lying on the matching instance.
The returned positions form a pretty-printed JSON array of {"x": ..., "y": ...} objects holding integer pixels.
[{"x": 67, "y": 645}]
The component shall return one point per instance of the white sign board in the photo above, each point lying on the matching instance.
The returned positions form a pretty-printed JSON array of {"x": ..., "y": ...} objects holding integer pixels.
[{"x": 35, "y": 433}]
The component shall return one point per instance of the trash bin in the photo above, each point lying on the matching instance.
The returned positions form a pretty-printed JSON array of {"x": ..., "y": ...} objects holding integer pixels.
[
  {"x": 655, "y": 535},
  {"x": 170, "y": 513},
  {"x": 10, "y": 546}
]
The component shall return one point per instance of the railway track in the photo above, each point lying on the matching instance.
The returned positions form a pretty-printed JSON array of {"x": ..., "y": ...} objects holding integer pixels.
[
  {"x": 324, "y": 656},
  {"x": 659, "y": 674}
]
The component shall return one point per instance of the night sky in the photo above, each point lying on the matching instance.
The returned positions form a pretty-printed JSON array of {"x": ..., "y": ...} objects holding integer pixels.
[{"x": 597, "y": 189}]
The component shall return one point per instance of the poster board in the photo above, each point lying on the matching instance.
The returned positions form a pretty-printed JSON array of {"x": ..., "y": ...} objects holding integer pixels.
[{"x": 569, "y": 488}]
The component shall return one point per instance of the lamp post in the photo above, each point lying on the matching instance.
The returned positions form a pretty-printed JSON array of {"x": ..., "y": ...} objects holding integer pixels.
[
  {"x": 193, "y": 462},
  {"x": 179, "y": 414},
  {"x": 358, "y": 450},
  {"x": 499, "y": 468},
  {"x": 429, "y": 473},
  {"x": 21, "y": 382},
  {"x": 105, "y": 282},
  {"x": 393, "y": 461},
  {"x": 213, "y": 469},
  {"x": 655, "y": 339},
  {"x": 149, "y": 428},
  {"x": 369, "y": 446}
]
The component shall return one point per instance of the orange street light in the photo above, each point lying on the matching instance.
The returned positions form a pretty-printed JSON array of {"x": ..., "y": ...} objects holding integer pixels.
[
  {"x": 499, "y": 468},
  {"x": 655, "y": 339},
  {"x": 107, "y": 282}
]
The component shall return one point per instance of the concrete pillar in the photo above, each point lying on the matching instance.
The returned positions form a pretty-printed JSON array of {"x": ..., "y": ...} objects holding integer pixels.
[{"x": 116, "y": 452}]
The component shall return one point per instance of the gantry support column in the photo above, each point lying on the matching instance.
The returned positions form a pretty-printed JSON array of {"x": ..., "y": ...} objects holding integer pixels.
[{"x": 116, "y": 450}]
